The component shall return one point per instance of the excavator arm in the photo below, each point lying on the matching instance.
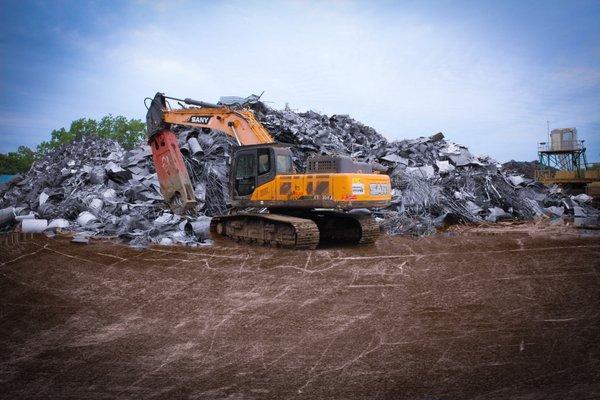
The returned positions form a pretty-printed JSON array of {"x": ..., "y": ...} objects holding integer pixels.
[
  {"x": 175, "y": 183},
  {"x": 239, "y": 124}
]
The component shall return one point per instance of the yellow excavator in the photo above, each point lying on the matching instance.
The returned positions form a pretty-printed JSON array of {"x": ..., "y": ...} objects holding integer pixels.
[{"x": 295, "y": 210}]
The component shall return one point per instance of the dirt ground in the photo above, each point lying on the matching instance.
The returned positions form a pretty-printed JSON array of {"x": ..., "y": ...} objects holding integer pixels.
[{"x": 487, "y": 313}]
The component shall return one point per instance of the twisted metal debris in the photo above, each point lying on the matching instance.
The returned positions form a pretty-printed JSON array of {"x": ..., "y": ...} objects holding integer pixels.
[
  {"x": 434, "y": 182},
  {"x": 94, "y": 188}
]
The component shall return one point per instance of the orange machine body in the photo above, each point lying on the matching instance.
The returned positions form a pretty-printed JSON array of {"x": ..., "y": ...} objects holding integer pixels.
[{"x": 324, "y": 190}]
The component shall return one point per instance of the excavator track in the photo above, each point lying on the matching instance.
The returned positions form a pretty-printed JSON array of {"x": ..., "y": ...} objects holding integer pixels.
[
  {"x": 369, "y": 228},
  {"x": 345, "y": 228},
  {"x": 298, "y": 231},
  {"x": 268, "y": 229}
]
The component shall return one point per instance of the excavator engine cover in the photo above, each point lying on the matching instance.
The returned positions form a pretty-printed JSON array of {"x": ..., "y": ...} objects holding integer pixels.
[{"x": 175, "y": 184}]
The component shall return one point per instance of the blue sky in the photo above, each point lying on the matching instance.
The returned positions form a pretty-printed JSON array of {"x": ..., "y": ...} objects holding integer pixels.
[{"x": 488, "y": 74}]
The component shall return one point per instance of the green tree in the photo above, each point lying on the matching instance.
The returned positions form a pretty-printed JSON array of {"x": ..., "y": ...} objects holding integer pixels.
[
  {"x": 83, "y": 127},
  {"x": 16, "y": 161},
  {"x": 127, "y": 132}
]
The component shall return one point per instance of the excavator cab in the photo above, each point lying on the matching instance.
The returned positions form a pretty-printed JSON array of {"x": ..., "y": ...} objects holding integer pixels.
[{"x": 256, "y": 165}]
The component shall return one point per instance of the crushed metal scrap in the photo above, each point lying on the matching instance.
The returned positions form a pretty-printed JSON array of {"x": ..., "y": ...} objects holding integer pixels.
[{"x": 95, "y": 188}]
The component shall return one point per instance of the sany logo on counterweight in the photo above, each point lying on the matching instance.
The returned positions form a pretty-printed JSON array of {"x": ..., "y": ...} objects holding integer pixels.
[{"x": 200, "y": 119}]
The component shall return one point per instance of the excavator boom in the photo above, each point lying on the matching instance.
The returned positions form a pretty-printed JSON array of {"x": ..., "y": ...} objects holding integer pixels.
[
  {"x": 175, "y": 182},
  {"x": 239, "y": 124}
]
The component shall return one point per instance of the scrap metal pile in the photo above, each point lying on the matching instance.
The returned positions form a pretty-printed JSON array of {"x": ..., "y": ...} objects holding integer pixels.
[
  {"x": 434, "y": 182},
  {"x": 94, "y": 187}
]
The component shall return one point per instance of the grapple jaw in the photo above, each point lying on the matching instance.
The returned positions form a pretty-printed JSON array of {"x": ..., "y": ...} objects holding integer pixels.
[
  {"x": 175, "y": 184},
  {"x": 154, "y": 117}
]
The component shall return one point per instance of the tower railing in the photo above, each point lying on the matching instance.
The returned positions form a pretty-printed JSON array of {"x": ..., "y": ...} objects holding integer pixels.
[{"x": 563, "y": 145}]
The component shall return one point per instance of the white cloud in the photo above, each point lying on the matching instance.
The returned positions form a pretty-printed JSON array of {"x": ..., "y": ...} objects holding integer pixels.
[{"x": 415, "y": 76}]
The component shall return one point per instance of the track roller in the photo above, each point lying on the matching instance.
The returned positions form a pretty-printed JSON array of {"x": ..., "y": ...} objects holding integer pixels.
[{"x": 268, "y": 229}]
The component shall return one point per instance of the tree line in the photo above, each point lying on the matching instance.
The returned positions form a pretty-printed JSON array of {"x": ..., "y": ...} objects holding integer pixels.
[{"x": 127, "y": 132}]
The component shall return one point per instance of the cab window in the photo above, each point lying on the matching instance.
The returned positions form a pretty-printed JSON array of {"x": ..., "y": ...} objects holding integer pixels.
[
  {"x": 245, "y": 174},
  {"x": 245, "y": 166},
  {"x": 264, "y": 161},
  {"x": 284, "y": 164}
]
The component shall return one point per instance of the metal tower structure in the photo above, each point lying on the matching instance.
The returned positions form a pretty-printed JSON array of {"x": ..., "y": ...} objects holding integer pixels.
[{"x": 562, "y": 158}]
